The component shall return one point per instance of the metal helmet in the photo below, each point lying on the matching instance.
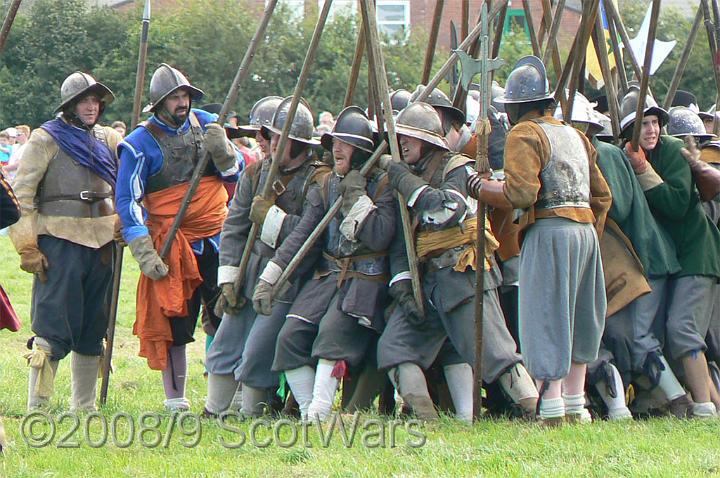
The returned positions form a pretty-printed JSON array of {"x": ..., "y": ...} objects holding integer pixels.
[
  {"x": 399, "y": 99},
  {"x": 606, "y": 134},
  {"x": 708, "y": 115},
  {"x": 583, "y": 112},
  {"x": 166, "y": 80},
  {"x": 421, "y": 121},
  {"x": 440, "y": 100},
  {"x": 261, "y": 114},
  {"x": 353, "y": 127},
  {"x": 685, "y": 98},
  {"x": 628, "y": 105},
  {"x": 527, "y": 82},
  {"x": 302, "y": 126},
  {"x": 497, "y": 91},
  {"x": 683, "y": 121},
  {"x": 79, "y": 84}
]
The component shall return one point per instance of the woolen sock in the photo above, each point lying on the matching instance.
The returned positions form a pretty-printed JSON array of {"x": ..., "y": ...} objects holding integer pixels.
[{"x": 301, "y": 381}]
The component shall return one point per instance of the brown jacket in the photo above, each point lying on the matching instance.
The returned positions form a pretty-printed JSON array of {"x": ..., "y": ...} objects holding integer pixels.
[
  {"x": 527, "y": 152},
  {"x": 624, "y": 275}
]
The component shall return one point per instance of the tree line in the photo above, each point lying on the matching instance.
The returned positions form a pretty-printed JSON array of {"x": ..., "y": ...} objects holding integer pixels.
[{"x": 207, "y": 40}]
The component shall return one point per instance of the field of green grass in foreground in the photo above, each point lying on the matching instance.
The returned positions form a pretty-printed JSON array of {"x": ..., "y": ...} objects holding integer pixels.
[{"x": 660, "y": 447}]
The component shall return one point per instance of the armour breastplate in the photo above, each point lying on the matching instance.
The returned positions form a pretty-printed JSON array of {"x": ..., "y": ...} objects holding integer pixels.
[
  {"x": 566, "y": 177},
  {"x": 180, "y": 153},
  {"x": 72, "y": 190}
]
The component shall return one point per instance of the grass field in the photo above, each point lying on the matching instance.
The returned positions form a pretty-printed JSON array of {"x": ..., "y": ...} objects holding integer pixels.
[{"x": 660, "y": 447}]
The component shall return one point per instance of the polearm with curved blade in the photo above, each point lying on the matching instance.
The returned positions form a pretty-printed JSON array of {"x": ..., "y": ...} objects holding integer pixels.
[
  {"x": 372, "y": 161},
  {"x": 7, "y": 23},
  {"x": 484, "y": 66},
  {"x": 275, "y": 161},
  {"x": 242, "y": 73},
  {"x": 117, "y": 267}
]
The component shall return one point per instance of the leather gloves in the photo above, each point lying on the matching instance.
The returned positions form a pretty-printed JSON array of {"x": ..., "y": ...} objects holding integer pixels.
[
  {"x": 707, "y": 178},
  {"x": 147, "y": 257},
  {"x": 259, "y": 209},
  {"x": 263, "y": 293},
  {"x": 262, "y": 297},
  {"x": 34, "y": 261},
  {"x": 403, "y": 180},
  {"x": 637, "y": 159},
  {"x": 352, "y": 187},
  {"x": 228, "y": 301},
  {"x": 402, "y": 292},
  {"x": 217, "y": 146},
  {"x": 488, "y": 191},
  {"x": 117, "y": 234}
]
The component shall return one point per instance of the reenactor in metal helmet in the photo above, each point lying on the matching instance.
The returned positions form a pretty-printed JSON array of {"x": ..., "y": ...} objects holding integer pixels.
[
  {"x": 243, "y": 348},
  {"x": 261, "y": 114},
  {"x": 157, "y": 162},
  {"x": 65, "y": 238},
  {"x": 336, "y": 315},
  {"x": 638, "y": 256},
  {"x": 550, "y": 174},
  {"x": 663, "y": 165},
  {"x": 432, "y": 181}
]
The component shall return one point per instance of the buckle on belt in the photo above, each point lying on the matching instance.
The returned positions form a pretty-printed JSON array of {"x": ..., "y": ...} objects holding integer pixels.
[
  {"x": 85, "y": 196},
  {"x": 278, "y": 187}
]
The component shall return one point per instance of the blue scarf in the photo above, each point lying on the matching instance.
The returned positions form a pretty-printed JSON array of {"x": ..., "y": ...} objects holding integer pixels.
[{"x": 82, "y": 146}]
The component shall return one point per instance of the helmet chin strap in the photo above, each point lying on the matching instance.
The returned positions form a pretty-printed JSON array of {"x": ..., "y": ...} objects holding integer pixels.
[{"x": 74, "y": 120}]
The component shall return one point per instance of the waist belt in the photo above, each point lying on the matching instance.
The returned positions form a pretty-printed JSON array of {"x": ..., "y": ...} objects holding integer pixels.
[
  {"x": 344, "y": 264},
  {"x": 86, "y": 196}
]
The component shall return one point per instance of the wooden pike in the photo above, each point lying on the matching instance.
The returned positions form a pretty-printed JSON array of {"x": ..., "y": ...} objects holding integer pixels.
[
  {"x": 716, "y": 19},
  {"x": 710, "y": 30},
  {"x": 282, "y": 144},
  {"x": 682, "y": 63},
  {"x": 320, "y": 228},
  {"x": 465, "y": 22},
  {"x": 556, "y": 62},
  {"x": 242, "y": 73},
  {"x": 531, "y": 29},
  {"x": 589, "y": 12},
  {"x": 375, "y": 51},
  {"x": 611, "y": 91},
  {"x": 654, "y": 16},
  {"x": 619, "y": 56},
  {"x": 7, "y": 23},
  {"x": 430, "y": 51},
  {"x": 118, "y": 261},
  {"x": 355, "y": 70},
  {"x": 610, "y": 8},
  {"x": 554, "y": 29}
]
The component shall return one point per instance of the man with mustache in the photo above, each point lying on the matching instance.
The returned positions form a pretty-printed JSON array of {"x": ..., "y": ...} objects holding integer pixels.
[
  {"x": 244, "y": 346},
  {"x": 64, "y": 237},
  {"x": 157, "y": 162}
]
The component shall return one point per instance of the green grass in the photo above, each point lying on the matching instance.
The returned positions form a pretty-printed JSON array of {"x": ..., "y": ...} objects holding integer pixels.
[{"x": 660, "y": 447}]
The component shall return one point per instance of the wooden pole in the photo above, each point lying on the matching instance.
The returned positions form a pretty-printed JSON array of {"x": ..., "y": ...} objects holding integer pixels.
[
  {"x": 282, "y": 144},
  {"x": 680, "y": 67},
  {"x": 655, "y": 13}
]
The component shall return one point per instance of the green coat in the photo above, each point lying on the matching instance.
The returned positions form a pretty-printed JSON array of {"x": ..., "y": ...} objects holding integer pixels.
[
  {"x": 653, "y": 245},
  {"x": 675, "y": 203}
]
